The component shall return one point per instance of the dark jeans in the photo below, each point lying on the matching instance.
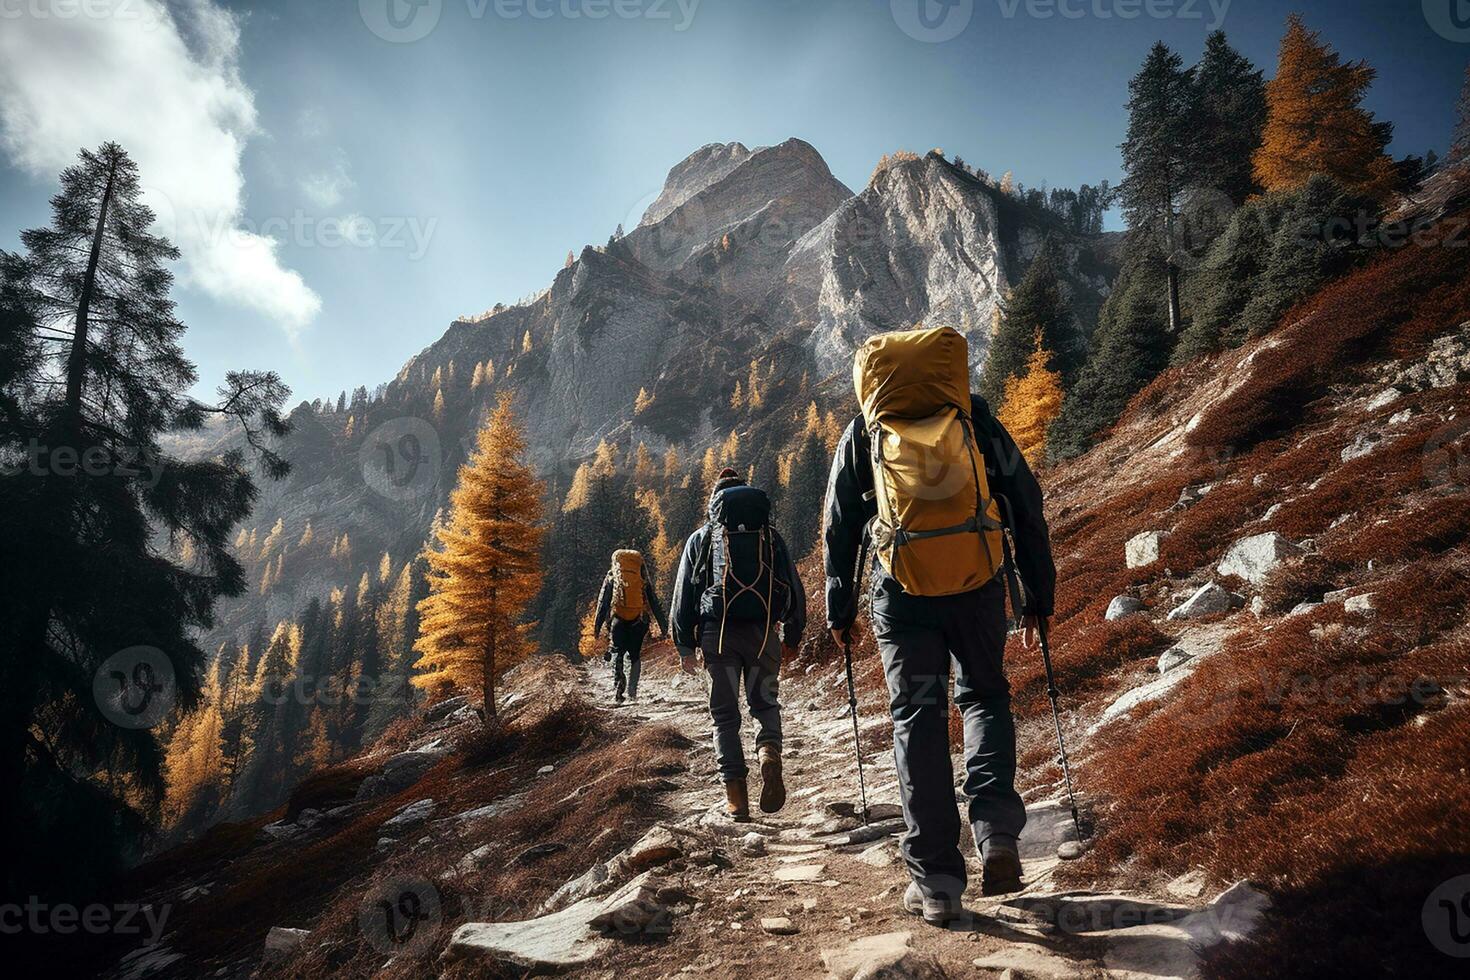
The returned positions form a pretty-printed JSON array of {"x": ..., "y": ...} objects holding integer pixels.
[
  {"x": 627, "y": 644},
  {"x": 744, "y": 665},
  {"x": 918, "y": 636}
]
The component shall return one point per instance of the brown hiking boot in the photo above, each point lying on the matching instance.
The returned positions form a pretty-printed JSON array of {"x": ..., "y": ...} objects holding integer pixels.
[
  {"x": 737, "y": 801},
  {"x": 773, "y": 790},
  {"x": 1000, "y": 866}
]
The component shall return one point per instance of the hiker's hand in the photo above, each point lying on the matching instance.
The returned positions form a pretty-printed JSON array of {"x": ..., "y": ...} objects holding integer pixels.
[
  {"x": 842, "y": 636},
  {"x": 686, "y": 664},
  {"x": 788, "y": 654},
  {"x": 1029, "y": 626}
]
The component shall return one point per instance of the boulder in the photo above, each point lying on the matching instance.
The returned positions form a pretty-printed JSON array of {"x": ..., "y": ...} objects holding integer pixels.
[
  {"x": 779, "y": 926},
  {"x": 308, "y": 818},
  {"x": 1383, "y": 399},
  {"x": 752, "y": 845},
  {"x": 658, "y": 846},
  {"x": 1362, "y": 604},
  {"x": 280, "y": 943},
  {"x": 1256, "y": 557},
  {"x": 1121, "y": 606},
  {"x": 445, "y": 708},
  {"x": 1172, "y": 658},
  {"x": 1207, "y": 601},
  {"x": 474, "y": 859},
  {"x": 280, "y": 830},
  {"x": 881, "y": 855},
  {"x": 1143, "y": 549},
  {"x": 1302, "y": 608},
  {"x": 1363, "y": 444},
  {"x": 415, "y": 813},
  {"x": 887, "y": 956},
  {"x": 402, "y": 771},
  {"x": 569, "y": 938}
]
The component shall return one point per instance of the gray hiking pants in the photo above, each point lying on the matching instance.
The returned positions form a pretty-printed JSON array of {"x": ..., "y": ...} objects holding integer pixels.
[
  {"x": 918, "y": 636},
  {"x": 627, "y": 644},
  {"x": 744, "y": 667}
]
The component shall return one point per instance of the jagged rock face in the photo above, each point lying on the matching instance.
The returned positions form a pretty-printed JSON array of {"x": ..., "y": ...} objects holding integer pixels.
[
  {"x": 693, "y": 174},
  {"x": 924, "y": 241}
]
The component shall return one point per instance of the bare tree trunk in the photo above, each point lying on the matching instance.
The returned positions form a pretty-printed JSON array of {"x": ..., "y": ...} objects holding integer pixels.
[
  {"x": 76, "y": 365},
  {"x": 489, "y": 672},
  {"x": 1174, "y": 314}
]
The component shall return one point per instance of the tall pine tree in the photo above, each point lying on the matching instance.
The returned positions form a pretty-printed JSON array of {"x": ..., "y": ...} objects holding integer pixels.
[
  {"x": 484, "y": 566},
  {"x": 1230, "y": 99},
  {"x": 93, "y": 379},
  {"x": 1315, "y": 122},
  {"x": 1157, "y": 161},
  {"x": 1036, "y": 307}
]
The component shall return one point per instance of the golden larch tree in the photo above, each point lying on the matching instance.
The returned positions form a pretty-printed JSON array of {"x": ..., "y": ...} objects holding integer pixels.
[
  {"x": 484, "y": 565},
  {"x": 1315, "y": 123},
  {"x": 1032, "y": 402}
]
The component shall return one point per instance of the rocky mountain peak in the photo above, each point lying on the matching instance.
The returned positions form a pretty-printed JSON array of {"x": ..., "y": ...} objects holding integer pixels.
[{"x": 693, "y": 174}]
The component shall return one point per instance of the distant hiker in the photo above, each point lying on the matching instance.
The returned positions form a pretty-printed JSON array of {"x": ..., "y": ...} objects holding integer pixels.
[
  {"x": 933, "y": 518},
  {"x": 627, "y": 597},
  {"x": 739, "y": 600}
]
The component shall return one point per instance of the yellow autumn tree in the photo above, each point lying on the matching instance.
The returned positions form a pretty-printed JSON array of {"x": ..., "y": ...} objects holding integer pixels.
[
  {"x": 710, "y": 467},
  {"x": 478, "y": 377},
  {"x": 644, "y": 470},
  {"x": 439, "y": 406},
  {"x": 755, "y": 387},
  {"x": 484, "y": 565},
  {"x": 1032, "y": 402},
  {"x": 737, "y": 397},
  {"x": 672, "y": 463},
  {"x": 1315, "y": 122},
  {"x": 641, "y": 403},
  {"x": 730, "y": 451},
  {"x": 581, "y": 486}
]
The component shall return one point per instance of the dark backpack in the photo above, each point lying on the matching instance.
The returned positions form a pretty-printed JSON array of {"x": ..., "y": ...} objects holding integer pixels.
[{"x": 740, "y": 557}]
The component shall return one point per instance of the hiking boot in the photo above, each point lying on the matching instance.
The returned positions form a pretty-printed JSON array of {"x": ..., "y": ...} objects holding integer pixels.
[
  {"x": 773, "y": 790},
  {"x": 935, "y": 911},
  {"x": 737, "y": 801},
  {"x": 1000, "y": 870}
]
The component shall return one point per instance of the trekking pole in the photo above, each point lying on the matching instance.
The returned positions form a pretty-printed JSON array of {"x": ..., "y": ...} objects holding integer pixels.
[
  {"x": 1051, "y": 692},
  {"x": 857, "y": 744},
  {"x": 852, "y": 705}
]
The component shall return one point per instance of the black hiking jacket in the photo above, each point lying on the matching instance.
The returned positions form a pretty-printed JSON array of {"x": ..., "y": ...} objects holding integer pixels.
[
  {"x": 692, "y": 618},
  {"x": 650, "y": 602},
  {"x": 1006, "y": 471}
]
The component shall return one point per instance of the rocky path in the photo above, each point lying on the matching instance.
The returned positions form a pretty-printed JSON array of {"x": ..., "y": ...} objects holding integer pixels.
[{"x": 812, "y": 892}]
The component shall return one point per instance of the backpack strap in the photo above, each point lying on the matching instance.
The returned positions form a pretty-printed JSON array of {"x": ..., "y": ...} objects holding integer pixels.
[{"x": 1013, "y": 582}]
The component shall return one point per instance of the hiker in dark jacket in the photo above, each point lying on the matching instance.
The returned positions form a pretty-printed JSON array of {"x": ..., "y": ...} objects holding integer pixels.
[
  {"x": 625, "y": 636},
  {"x": 917, "y": 636},
  {"x": 742, "y": 647}
]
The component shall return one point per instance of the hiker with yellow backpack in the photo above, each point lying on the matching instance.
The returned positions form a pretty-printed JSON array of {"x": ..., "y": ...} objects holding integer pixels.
[
  {"x": 929, "y": 481},
  {"x": 739, "y": 601},
  {"x": 626, "y": 599}
]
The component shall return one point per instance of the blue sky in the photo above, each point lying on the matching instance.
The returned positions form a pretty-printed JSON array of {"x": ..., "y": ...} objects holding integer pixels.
[{"x": 466, "y": 163}]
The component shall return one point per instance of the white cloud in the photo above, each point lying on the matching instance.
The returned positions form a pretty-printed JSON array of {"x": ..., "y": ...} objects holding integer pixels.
[{"x": 162, "y": 80}]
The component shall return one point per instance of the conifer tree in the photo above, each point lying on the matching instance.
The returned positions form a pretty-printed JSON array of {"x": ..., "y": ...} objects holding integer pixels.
[
  {"x": 1315, "y": 122},
  {"x": 1032, "y": 402},
  {"x": 1157, "y": 157},
  {"x": 1230, "y": 98},
  {"x": 92, "y": 366},
  {"x": 484, "y": 566},
  {"x": 1036, "y": 306}
]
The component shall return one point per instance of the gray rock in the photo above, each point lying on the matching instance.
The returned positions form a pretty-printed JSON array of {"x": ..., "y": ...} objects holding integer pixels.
[
  {"x": 309, "y": 818},
  {"x": 281, "y": 942},
  {"x": 752, "y": 845},
  {"x": 779, "y": 926},
  {"x": 475, "y": 859},
  {"x": 568, "y": 938},
  {"x": 658, "y": 846},
  {"x": 1383, "y": 399},
  {"x": 1304, "y": 607},
  {"x": 1362, "y": 604},
  {"x": 1258, "y": 606},
  {"x": 402, "y": 771},
  {"x": 280, "y": 830},
  {"x": 1256, "y": 557},
  {"x": 1143, "y": 549},
  {"x": 1171, "y": 658},
  {"x": 443, "y": 709},
  {"x": 883, "y": 957},
  {"x": 415, "y": 813},
  {"x": 1121, "y": 606},
  {"x": 1362, "y": 444},
  {"x": 1207, "y": 601}
]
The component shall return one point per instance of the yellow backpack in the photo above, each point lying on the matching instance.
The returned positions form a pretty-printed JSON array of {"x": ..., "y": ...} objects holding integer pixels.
[
  {"x": 627, "y": 573},
  {"x": 938, "y": 530}
]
